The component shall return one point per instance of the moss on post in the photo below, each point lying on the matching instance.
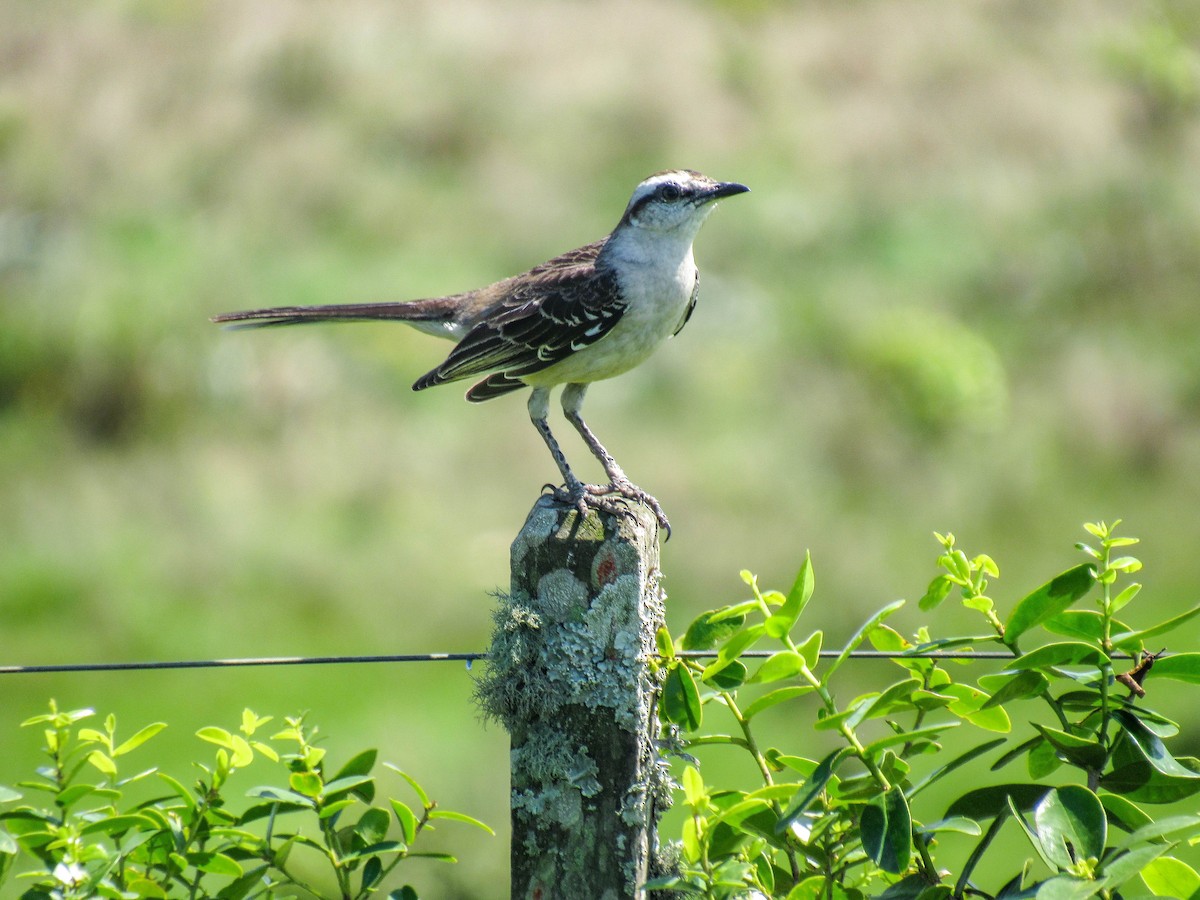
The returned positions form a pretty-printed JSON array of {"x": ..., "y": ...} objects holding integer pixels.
[{"x": 569, "y": 679}]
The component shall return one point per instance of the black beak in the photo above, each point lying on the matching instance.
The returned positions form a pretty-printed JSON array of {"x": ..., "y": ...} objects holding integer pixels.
[{"x": 727, "y": 189}]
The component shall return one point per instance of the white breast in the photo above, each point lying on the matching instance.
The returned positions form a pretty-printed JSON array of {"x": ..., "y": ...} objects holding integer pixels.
[{"x": 656, "y": 291}]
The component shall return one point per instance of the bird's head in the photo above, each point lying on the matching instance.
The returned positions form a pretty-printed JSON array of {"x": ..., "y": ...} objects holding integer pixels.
[{"x": 677, "y": 201}]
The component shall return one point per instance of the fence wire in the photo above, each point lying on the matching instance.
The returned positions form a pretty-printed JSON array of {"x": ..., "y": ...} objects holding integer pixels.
[{"x": 467, "y": 658}]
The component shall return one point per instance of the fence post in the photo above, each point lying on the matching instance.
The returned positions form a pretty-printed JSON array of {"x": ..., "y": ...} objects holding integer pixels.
[{"x": 568, "y": 676}]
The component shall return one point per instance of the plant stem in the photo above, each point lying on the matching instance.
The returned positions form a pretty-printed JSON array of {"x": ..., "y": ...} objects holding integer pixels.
[{"x": 763, "y": 767}]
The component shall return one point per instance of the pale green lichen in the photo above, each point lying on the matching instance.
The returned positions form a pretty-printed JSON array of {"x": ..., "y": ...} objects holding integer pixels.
[{"x": 580, "y": 638}]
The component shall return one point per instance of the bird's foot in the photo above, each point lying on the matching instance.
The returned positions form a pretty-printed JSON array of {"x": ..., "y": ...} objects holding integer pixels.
[
  {"x": 625, "y": 488},
  {"x": 600, "y": 497}
]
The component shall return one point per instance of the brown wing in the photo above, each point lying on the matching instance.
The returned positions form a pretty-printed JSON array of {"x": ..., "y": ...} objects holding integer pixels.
[{"x": 545, "y": 315}]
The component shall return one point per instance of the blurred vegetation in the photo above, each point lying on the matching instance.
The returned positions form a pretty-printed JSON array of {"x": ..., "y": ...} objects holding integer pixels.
[{"x": 961, "y": 296}]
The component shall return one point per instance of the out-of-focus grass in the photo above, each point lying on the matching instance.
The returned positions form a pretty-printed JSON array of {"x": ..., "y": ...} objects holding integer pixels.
[{"x": 961, "y": 296}]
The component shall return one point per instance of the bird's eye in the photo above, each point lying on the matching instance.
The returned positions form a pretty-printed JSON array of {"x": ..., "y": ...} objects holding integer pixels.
[{"x": 670, "y": 193}]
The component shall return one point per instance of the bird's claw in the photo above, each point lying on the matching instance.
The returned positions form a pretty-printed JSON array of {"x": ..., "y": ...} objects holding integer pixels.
[
  {"x": 600, "y": 497},
  {"x": 630, "y": 491}
]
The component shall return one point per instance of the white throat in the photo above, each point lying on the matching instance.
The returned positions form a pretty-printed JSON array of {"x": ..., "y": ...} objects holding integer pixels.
[{"x": 634, "y": 244}]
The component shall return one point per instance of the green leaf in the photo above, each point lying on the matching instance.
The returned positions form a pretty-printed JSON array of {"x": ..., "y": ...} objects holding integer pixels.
[
  {"x": 1042, "y": 759},
  {"x": 1178, "y": 666},
  {"x": 778, "y": 666},
  {"x": 812, "y": 789},
  {"x": 681, "y": 699},
  {"x": 1065, "y": 653},
  {"x": 955, "y": 825},
  {"x": 811, "y": 649},
  {"x": 779, "y": 695},
  {"x": 1049, "y": 600},
  {"x": 736, "y": 611},
  {"x": 215, "y": 863},
  {"x": 372, "y": 825},
  {"x": 280, "y": 795},
  {"x": 251, "y": 721},
  {"x": 969, "y": 704},
  {"x": 897, "y": 696},
  {"x": 733, "y": 648},
  {"x": 1125, "y": 596},
  {"x": 140, "y": 738},
  {"x": 1160, "y": 830},
  {"x": 242, "y": 753},
  {"x": 103, "y": 762},
  {"x": 1151, "y": 746},
  {"x": 1124, "y": 866},
  {"x": 1087, "y": 753},
  {"x": 693, "y": 788},
  {"x": 359, "y": 764},
  {"x": 1123, "y": 813},
  {"x": 1067, "y": 887},
  {"x": 859, "y": 636},
  {"x": 952, "y": 643},
  {"x": 937, "y": 591},
  {"x": 886, "y": 828},
  {"x": 1071, "y": 815},
  {"x": 912, "y": 887},
  {"x": 144, "y": 888},
  {"x": 363, "y": 787},
  {"x": 662, "y": 640},
  {"x": 308, "y": 784},
  {"x": 1135, "y": 637},
  {"x": 981, "y": 604},
  {"x": 214, "y": 735},
  {"x": 957, "y": 762},
  {"x": 1142, "y": 782},
  {"x": 729, "y": 678},
  {"x": 333, "y": 808},
  {"x": 1021, "y": 686},
  {"x": 407, "y": 820},
  {"x": 371, "y": 874},
  {"x": 781, "y": 622},
  {"x": 440, "y": 857},
  {"x": 1170, "y": 877},
  {"x": 412, "y": 783},
  {"x": 116, "y": 824},
  {"x": 452, "y": 816},
  {"x": 986, "y": 802},
  {"x": 737, "y": 813},
  {"x": 904, "y": 737},
  {"x": 704, "y": 634},
  {"x": 1017, "y": 752},
  {"x": 1086, "y": 625},
  {"x": 1134, "y": 775}
]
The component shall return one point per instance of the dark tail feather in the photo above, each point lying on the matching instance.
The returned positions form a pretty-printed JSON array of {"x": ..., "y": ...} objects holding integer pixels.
[
  {"x": 438, "y": 309},
  {"x": 494, "y": 385}
]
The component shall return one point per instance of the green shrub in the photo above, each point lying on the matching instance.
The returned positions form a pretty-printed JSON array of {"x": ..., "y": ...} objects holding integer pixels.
[
  {"x": 90, "y": 837},
  {"x": 853, "y": 824}
]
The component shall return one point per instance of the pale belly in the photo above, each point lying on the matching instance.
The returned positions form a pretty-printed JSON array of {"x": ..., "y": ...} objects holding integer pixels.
[{"x": 637, "y": 335}]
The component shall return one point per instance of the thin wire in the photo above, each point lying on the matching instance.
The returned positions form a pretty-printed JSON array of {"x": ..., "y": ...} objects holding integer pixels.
[
  {"x": 468, "y": 658},
  {"x": 234, "y": 663}
]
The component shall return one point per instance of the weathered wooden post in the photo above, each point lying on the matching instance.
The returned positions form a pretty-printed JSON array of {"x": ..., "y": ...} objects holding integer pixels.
[{"x": 568, "y": 676}]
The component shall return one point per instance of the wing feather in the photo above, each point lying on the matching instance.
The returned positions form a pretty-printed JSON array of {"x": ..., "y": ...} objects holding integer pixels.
[{"x": 557, "y": 309}]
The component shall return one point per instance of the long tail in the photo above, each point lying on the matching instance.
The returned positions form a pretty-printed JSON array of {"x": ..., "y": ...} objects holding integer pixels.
[{"x": 435, "y": 314}]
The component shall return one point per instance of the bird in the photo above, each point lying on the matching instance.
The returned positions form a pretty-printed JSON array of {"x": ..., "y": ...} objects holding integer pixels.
[{"x": 587, "y": 315}]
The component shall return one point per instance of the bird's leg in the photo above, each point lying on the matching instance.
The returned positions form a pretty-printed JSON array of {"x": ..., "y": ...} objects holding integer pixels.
[
  {"x": 573, "y": 490},
  {"x": 572, "y": 400}
]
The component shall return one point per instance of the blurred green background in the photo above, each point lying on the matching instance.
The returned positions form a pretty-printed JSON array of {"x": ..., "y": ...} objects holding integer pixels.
[{"x": 962, "y": 296}]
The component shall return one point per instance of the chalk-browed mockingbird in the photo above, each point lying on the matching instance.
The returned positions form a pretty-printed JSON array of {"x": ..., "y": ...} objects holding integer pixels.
[{"x": 589, "y": 314}]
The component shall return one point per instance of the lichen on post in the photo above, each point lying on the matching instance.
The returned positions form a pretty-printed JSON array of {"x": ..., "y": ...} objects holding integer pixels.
[{"x": 569, "y": 677}]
